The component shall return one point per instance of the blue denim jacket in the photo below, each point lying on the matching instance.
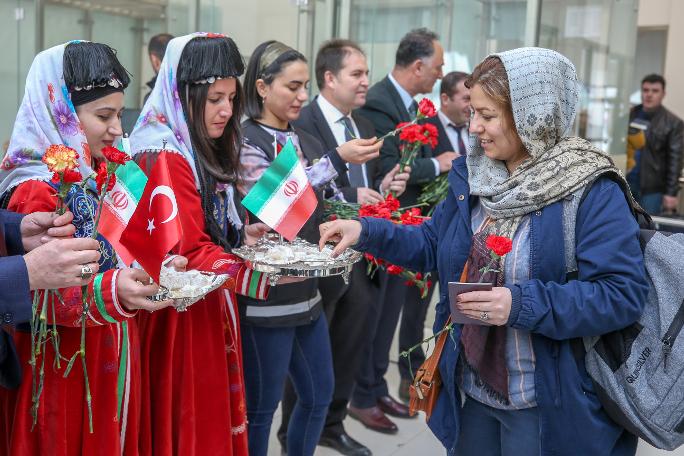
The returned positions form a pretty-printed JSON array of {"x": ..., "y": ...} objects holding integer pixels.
[{"x": 609, "y": 294}]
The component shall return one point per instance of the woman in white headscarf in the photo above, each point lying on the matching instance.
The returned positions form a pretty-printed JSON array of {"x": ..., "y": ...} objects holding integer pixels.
[
  {"x": 526, "y": 389},
  {"x": 74, "y": 97}
]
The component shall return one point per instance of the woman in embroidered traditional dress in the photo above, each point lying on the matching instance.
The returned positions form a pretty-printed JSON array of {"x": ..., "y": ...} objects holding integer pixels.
[
  {"x": 192, "y": 361},
  {"x": 74, "y": 97}
]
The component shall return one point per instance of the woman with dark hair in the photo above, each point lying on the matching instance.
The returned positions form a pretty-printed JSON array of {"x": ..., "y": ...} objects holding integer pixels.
[
  {"x": 285, "y": 334},
  {"x": 517, "y": 384},
  {"x": 192, "y": 361},
  {"x": 74, "y": 96}
]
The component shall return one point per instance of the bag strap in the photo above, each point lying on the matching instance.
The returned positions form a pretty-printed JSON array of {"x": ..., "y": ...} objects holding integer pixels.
[
  {"x": 430, "y": 365},
  {"x": 642, "y": 217}
]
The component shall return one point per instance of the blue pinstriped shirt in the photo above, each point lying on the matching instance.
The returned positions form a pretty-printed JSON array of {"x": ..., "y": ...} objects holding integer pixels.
[{"x": 520, "y": 360}]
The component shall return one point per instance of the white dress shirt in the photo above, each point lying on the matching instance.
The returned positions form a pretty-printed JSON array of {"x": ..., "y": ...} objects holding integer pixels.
[{"x": 332, "y": 116}]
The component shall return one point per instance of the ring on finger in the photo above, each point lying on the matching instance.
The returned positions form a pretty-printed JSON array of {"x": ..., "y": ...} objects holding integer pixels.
[
  {"x": 86, "y": 272},
  {"x": 484, "y": 316}
]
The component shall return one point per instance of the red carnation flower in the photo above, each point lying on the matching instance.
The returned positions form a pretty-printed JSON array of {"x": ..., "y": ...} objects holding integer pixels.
[
  {"x": 412, "y": 217},
  {"x": 114, "y": 155},
  {"x": 426, "y": 108},
  {"x": 412, "y": 133},
  {"x": 500, "y": 245},
  {"x": 102, "y": 178},
  {"x": 394, "y": 269},
  {"x": 391, "y": 202},
  {"x": 72, "y": 177},
  {"x": 430, "y": 135}
]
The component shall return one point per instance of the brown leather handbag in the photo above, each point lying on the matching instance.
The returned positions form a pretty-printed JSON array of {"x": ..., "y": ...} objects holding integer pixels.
[{"x": 427, "y": 383}]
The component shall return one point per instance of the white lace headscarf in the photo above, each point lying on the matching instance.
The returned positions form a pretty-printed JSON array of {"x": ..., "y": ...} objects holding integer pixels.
[{"x": 544, "y": 98}]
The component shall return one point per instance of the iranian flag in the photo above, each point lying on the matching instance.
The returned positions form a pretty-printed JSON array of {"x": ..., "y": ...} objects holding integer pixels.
[
  {"x": 283, "y": 197},
  {"x": 119, "y": 205}
]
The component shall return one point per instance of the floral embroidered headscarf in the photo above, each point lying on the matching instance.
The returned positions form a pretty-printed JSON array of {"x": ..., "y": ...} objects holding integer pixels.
[
  {"x": 46, "y": 116},
  {"x": 162, "y": 124}
]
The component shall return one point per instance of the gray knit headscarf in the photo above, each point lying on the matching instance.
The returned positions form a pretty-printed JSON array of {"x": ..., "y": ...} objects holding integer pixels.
[{"x": 544, "y": 97}]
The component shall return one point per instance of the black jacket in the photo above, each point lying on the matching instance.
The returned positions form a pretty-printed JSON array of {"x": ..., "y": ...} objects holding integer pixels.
[
  {"x": 312, "y": 121},
  {"x": 661, "y": 158},
  {"x": 385, "y": 109}
]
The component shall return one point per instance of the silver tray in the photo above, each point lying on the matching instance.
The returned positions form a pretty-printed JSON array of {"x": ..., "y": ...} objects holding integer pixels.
[
  {"x": 182, "y": 300},
  {"x": 255, "y": 258}
]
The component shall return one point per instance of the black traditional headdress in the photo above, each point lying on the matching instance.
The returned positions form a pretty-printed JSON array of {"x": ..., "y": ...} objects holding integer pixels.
[
  {"x": 208, "y": 58},
  {"x": 92, "y": 71}
]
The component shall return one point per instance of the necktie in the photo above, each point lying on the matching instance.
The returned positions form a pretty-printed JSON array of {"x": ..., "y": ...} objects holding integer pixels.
[
  {"x": 413, "y": 109},
  {"x": 461, "y": 144},
  {"x": 355, "y": 171}
]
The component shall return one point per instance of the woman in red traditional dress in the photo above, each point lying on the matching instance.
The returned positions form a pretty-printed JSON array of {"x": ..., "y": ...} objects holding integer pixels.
[
  {"x": 192, "y": 361},
  {"x": 74, "y": 97}
]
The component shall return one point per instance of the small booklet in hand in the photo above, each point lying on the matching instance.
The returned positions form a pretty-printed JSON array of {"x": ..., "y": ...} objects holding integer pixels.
[{"x": 455, "y": 289}]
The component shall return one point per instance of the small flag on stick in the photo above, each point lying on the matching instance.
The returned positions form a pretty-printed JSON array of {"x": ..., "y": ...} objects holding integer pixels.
[{"x": 283, "y": 197}]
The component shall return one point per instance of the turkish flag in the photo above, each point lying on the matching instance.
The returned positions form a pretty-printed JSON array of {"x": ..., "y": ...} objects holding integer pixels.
[{"x": 154, "y": 228}]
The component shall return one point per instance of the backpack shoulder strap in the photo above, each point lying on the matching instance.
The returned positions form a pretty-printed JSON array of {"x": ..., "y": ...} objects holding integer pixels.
[
  {"x": 642, "y": 217},
  {"x": 570, "y": 213}
]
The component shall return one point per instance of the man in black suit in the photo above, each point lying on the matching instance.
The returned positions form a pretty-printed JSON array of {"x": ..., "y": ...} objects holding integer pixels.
[
  {"x": 452, "y": 125},
  {"x": 418, "y": 65},
  {"x": 342, "y": 78},
  {"x": 453, "y": 115}
]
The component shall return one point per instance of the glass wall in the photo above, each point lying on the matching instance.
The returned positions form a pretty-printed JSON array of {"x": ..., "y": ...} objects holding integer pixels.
[
  {"x": 29, "y": 26},
  {"x": 597, "y": 35},
  {"x": 19, "y": 38}
]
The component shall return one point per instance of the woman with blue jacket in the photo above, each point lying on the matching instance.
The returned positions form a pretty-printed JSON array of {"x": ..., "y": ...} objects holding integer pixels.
[{"x": 518, "y": 386}]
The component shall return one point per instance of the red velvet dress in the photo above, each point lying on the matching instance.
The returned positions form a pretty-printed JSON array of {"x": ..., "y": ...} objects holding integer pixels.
[
  {"x": 112, "y": 359},
  {"x": 193, "y": 388}
]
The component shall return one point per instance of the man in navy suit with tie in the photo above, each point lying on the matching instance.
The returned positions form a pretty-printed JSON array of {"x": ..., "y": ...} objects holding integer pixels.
[
  {"x": 35, "y": 255},
  {"x": 342, "y": 78}
]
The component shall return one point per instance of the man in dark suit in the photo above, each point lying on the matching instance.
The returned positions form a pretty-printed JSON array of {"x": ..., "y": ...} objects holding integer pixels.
[
  {"x": 453, "y": 115},
  {"x": 418, "y": 65},
  {"x": 452, "y": 125},
  {"x": 342, "y": 78},
  {"x": 47, "y": 265}
]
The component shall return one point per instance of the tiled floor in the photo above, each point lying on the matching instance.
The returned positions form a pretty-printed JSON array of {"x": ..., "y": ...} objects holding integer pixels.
[{"x": 414, "y": 438}]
